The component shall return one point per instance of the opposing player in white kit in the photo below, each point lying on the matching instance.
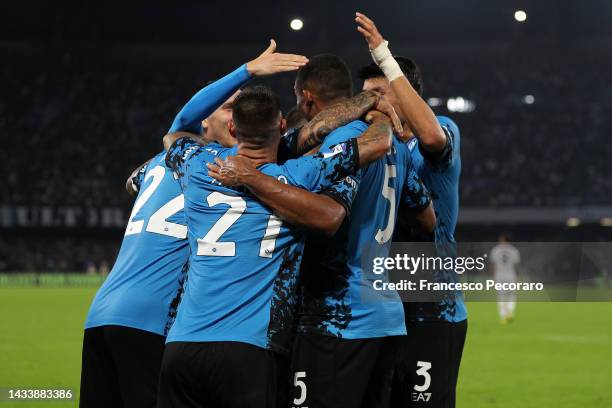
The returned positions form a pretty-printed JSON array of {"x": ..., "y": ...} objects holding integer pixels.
[{"x": 505, "y": 258}]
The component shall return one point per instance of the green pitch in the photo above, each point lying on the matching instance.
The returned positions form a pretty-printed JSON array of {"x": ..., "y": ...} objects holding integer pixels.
[{"x": 553, "y": 355}]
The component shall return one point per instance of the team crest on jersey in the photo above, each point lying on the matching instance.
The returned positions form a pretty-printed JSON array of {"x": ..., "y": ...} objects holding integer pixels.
[{"x": 412, "y": 144}]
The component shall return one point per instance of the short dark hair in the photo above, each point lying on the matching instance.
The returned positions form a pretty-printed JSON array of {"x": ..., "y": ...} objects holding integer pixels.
[
  {"x": 256, "y": 113},
  {"x": 410, "y": 69},
  {"x": 294, "y": 118},
  {"x": 327, "y": 76}
]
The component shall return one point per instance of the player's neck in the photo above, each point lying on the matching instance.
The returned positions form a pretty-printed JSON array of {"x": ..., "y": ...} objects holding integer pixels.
[
  {"x": 258, "y": 154},
  {"x": 326, "y": 104}
]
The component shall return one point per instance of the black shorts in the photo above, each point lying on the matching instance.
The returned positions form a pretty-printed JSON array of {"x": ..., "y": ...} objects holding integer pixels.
[
  {"x": 120, "y": 367},
  {"x": 328, "y": 371},
  {"x": 222, "y": 375},
  {"x": 430, "y": 355}
]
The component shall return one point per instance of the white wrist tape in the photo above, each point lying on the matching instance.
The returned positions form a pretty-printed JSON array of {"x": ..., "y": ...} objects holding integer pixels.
[{"x": 385, "y": 61}]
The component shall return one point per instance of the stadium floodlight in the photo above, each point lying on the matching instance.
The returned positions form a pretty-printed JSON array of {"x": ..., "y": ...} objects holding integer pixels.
[
  {"x": 529, "y": 99},
  {"x": 573, "y": 222},
  {"x": 606, "y": 222},
  {"x": 520, "y": 16},
  {"x": 460, "y": 104},
  {"x": 296, "y": 24}
]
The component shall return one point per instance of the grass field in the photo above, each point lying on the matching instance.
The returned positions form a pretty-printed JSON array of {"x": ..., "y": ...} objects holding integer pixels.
[{"x": 554, "y": 355}]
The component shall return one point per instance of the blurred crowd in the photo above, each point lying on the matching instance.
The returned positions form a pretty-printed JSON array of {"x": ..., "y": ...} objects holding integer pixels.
[
  {"x": 71, "y": 135},
  {"x": 58, "y": 254},
  {"x": 538, "y": 136},
  {"x": 73, "y": 131}
]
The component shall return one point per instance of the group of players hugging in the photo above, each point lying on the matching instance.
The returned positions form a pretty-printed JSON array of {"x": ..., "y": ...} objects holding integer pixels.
[{"x": 240, "y": 279}]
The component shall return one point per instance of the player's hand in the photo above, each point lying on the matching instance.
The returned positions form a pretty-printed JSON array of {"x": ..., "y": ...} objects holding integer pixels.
[
  {"x": 271, "y": 62},
  {"x": 385, "y": 107},
  {"x": 233, "y": 171},
  {"x": 369, "y": 31},
  {"x": 405, "y": 136},
  {"x": 375, "y": 116}
]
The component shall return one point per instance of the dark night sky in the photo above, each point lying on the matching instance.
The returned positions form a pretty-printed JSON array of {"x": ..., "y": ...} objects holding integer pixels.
[{"x": 203, "y": 22}]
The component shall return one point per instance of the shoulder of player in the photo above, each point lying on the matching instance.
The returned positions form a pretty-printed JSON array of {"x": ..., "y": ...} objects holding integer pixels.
[
  {"x": 205, "y": 152},
  {"x": 450, "y": 125},
  {"x": 281, "y": 172},
  {"x": 292, "y": 171},
  {"x": 158, "y": 159},
  {"x": 351, "y": 129},
  {"x": 216, "y": 149},
  {"x": 356, "y": 126}
]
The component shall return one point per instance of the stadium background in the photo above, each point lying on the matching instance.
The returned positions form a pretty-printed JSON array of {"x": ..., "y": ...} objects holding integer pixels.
[{"x": 88, "y": 89}]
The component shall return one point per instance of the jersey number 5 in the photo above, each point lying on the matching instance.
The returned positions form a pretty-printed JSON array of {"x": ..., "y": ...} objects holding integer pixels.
[{"x": 382, "y": 236}]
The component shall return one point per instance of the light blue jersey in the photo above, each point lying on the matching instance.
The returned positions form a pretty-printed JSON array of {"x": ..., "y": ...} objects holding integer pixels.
[
  {"x": 441, "y": 176},
  {"x": 338, "y": 295},
  {"x": 244, "y": 261},
  {"x": 142, "y": 289}
]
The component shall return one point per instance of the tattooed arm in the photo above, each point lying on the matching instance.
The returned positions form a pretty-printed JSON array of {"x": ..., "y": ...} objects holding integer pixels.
[
  {"x": 418, "y": 114},
  {"x": 377, "y": 140},
  {"x": 312, "y": 134},
  {"x": 301, "y": 208}
]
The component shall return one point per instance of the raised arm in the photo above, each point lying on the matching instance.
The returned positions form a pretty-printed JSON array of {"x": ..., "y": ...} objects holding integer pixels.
[
  {"x": 209, "y": 98},
  {"x": 419, "y": 116}
]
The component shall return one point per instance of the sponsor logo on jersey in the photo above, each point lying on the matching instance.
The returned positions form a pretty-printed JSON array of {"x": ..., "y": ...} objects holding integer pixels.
[{"x": 337, "y": 149}]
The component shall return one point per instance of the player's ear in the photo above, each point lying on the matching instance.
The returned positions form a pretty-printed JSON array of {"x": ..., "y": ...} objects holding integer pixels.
[
  {"x": 232, "y": 128},
  {"x": 309, "y": 103},
  {"x": 205, "y": 124},
  {"x": 283, "y": 126},
  {"x": 308, "y": 97}
]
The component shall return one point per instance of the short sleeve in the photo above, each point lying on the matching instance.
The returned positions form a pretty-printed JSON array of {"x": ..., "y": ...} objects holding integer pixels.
[
  {"x": 448, "y": 156},
  {"x": 138, "y": 178},
  {"x": 415, "y": 195},
  {"x": 344, "y": 191},
  {"x": 343, "y": 134},
  {"x": 322, "y": 170}
]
